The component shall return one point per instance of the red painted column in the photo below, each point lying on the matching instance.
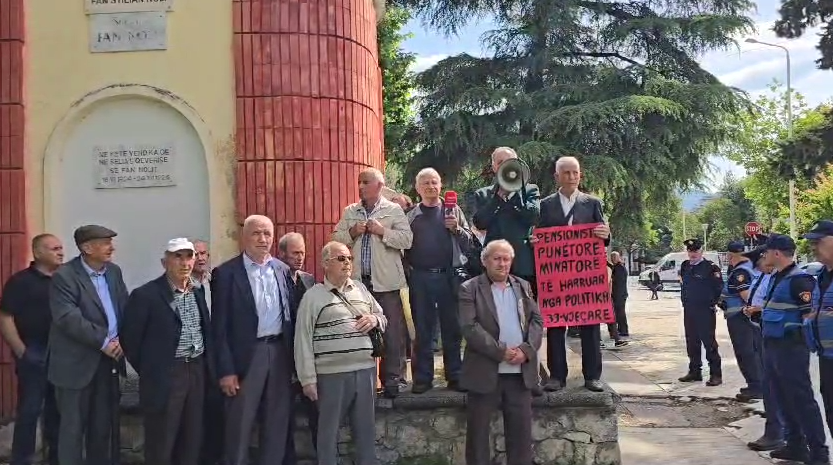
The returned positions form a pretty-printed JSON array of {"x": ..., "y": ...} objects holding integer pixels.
[
  {"x": 309, "y": 111},
  {"x": 13, "y": 248}
]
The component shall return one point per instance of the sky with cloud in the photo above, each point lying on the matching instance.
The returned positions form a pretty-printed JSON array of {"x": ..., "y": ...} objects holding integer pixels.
[{"x": 751, "y": 67}]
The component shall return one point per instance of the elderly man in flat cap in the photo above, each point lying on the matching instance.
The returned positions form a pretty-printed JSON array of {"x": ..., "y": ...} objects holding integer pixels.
[{"x": 86, "y": 298}]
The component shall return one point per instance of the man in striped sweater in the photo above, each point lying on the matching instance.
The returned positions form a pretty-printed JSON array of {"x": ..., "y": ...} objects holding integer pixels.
[{"x": 333, "y": 355}]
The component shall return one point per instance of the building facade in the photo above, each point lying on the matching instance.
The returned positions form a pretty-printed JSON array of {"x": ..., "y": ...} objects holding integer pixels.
[{"x": 167, "y": 118}]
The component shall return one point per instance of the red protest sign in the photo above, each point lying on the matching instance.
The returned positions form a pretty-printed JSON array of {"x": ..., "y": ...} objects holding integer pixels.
[{"x": 573, "y": 283}]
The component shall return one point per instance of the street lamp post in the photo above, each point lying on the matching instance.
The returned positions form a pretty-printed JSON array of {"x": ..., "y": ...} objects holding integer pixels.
[
  {"x": 705, "y": 237},
  {"x": 793, "y": 227}
]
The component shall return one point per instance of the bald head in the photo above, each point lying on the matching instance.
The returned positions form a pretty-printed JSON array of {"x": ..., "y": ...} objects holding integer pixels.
[
  {"x": 500, "y": 155},
  {"x": 258, "y": 235}
]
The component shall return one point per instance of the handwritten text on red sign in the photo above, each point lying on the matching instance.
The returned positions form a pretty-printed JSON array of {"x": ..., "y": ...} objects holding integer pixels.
[{"x": 573, "y": 285}]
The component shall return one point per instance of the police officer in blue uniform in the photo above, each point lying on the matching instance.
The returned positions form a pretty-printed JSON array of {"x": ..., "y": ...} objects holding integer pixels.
[
  {"x": 819, "y": 327},
  {"x": 701, "y": 282},
  {"x": 742, "y": 332},
  {"x": 788, "y": 301}
]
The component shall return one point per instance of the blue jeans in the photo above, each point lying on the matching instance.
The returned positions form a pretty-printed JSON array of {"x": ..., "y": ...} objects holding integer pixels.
[{"x": 433, "y": 295}]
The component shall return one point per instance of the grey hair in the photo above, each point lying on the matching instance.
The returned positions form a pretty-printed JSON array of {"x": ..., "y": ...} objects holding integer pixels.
[
  {"x": 490, "y": 248},
  {"x": 196, "y": 241},
  {"x": 565, "y": 160},
  {"x": 508, "y": 150},
  {"x": 253, "y": 220},
  {"x": 377, "y": 175},
  {"x": 427, "y": 172},
  {"x": 283, "y": 242},
  {"x": 327, "y": 250}
]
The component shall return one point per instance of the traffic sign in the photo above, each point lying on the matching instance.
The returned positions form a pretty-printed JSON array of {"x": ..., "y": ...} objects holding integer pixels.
[{"x": 753, "y": 228}]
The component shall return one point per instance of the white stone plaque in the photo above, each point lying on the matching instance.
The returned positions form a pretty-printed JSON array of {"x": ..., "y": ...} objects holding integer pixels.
[
  {"x": 126, "y": 6},
  {"x": 128, "y": 32},
  {"x": 136, "y": 165}
]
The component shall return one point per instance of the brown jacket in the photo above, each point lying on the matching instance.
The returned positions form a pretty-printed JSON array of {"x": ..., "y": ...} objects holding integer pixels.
[{"x": 484, "y": 352}]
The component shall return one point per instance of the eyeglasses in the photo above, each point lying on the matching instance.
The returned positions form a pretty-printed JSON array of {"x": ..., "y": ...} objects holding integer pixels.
[{"x": 344, "y": 258}]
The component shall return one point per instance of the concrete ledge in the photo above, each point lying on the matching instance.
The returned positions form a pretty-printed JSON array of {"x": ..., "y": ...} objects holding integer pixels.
[{"x": 570, "y": 427}]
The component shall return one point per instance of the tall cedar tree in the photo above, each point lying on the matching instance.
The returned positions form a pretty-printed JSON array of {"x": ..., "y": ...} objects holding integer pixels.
[{"x": 616, "y": 84}]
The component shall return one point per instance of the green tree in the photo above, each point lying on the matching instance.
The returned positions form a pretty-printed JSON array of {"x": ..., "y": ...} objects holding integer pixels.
[
  {"x": 726, "y": 215},
  {"x": 816, "y": 203},
  {"x": 398, "y": 83},
  {"x": 758, "y": 134},
  {"x": 810, "y": 149},
  {"x": 798, "y": 15},
  {"x": 616, "y": 84}
]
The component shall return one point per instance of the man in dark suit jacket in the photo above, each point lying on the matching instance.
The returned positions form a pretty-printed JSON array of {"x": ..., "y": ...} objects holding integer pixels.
[
  {"x": 166, "y": 337},
  {"x": 86, "y": 298},
  {"x": 510, "y": 216},
  {"x": 252, "y": 323},
  {"x": 503, "y": 328},
  {"x": 292, "y": 250},
  {"x": 567, "y": 207}
]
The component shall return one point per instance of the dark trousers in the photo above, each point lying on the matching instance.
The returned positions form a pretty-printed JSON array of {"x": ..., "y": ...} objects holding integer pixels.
[
  {"x": 174, "y": 434},
  {"x": 788, "y": 361},
  {"x": 743, "y": 335},
  {"x": 214, "y": 426},
  {"x": 774, "y": 425},
  {"x": 435, "y": 294},
  {"x": 515, "y": 401},
  {"x": 591, "y": 353},
  {"x": 87, "y": 415},
  {"x": 310, "y": 411},
  {"x": 265, "y": 397},
  {"x": 619, "y": 305},
  {"x": 826, "y": 388},
  {"x": 700, "y": 324},
  {"x": 35, "y": 396},
  {"x": 394, "y": 359}
]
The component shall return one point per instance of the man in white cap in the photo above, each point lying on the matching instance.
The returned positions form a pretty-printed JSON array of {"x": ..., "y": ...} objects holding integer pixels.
[{"x": 166, "y": 338}]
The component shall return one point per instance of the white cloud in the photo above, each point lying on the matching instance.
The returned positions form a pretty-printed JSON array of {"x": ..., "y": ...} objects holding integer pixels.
[{"x": 424, "y": 62}]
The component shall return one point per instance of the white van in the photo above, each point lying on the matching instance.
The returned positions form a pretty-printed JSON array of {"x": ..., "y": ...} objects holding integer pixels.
[{"x": 669, "y": 268}]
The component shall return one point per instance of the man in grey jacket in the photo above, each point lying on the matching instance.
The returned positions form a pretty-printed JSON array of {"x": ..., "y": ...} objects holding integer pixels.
[
  {"x": 87, "y": 298},
  {"x": 441, "y": 239}
]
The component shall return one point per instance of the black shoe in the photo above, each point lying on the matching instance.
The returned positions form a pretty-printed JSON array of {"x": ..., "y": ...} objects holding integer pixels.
[
  {"x": 714, "y": 381},
  {"x": 690, "y": 378},
  {"x": 594, "y": 385},
  {"x": 791, "y": 454},
  {"x": 538, "y": 391},
  {"x": 764, "y": 443},
  {"x": 421, "y": 388},
  {"x": 620, "y": 343},
  {"x": 389, "y": 392},
  {"x": 554, "y": 385},
  {"x": 455, "y": 386},
  {"x": 748, "y": 396}
]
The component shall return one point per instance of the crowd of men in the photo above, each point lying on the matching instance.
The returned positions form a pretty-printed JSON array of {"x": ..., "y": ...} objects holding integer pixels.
[{"x": 220, "y": 351}]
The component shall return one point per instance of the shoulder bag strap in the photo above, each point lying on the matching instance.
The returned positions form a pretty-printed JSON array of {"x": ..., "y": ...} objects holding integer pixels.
[{"x": 350, "y": 306}]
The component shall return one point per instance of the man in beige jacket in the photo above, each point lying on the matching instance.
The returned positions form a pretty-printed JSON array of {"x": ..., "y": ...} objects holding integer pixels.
[{"x": 377, "y": 231}]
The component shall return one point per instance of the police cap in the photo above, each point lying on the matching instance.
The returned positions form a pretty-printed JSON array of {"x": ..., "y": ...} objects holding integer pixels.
[
  {"x": 780, "y": 242},
  {"x": 820, "y": 230},
  {"x": 693, "y": 245},
  {"x": 735, "y": 247},
  {"x": 92, "y": 232}
]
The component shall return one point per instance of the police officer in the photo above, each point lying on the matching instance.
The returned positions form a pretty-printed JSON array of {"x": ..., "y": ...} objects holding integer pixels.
[
  {"x": 701, "y": 282},
  {"x": 742, "y": 332},
  {"x": 773, "y": 437},
  {"x": 788, "y": 301},
  {"x": 820, "y": 325}
]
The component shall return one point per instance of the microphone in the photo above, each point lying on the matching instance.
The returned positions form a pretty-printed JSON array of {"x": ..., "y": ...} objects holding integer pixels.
[{"x": 450, "y": 202}]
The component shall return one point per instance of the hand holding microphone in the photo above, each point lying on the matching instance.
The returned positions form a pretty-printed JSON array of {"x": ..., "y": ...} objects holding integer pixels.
[{"x": 449, "y": 206}]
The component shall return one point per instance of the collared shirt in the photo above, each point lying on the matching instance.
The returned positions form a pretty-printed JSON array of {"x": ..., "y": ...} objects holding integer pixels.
[
  {"x": 760, "y": 287},
  {"x": 511, "y": 333},
  {"x": 266, "y": 293},
  {"x": 204, "y": 284},
  {"x": 567, "y": 204},
  {"x": 99, "y": 281},
  {"x": 365, "y": 258},
  {"x": 191, "y": 343}
]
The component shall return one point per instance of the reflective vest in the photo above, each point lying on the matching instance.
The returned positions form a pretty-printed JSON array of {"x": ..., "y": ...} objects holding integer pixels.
[
  {"x": 781, "y": 312},
  {"x": 734, "y": 302},
  {"x": 819, "y": 329}
]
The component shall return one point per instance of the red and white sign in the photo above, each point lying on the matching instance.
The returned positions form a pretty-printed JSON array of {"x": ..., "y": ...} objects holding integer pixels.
[{"x": 753, "y": 228}]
